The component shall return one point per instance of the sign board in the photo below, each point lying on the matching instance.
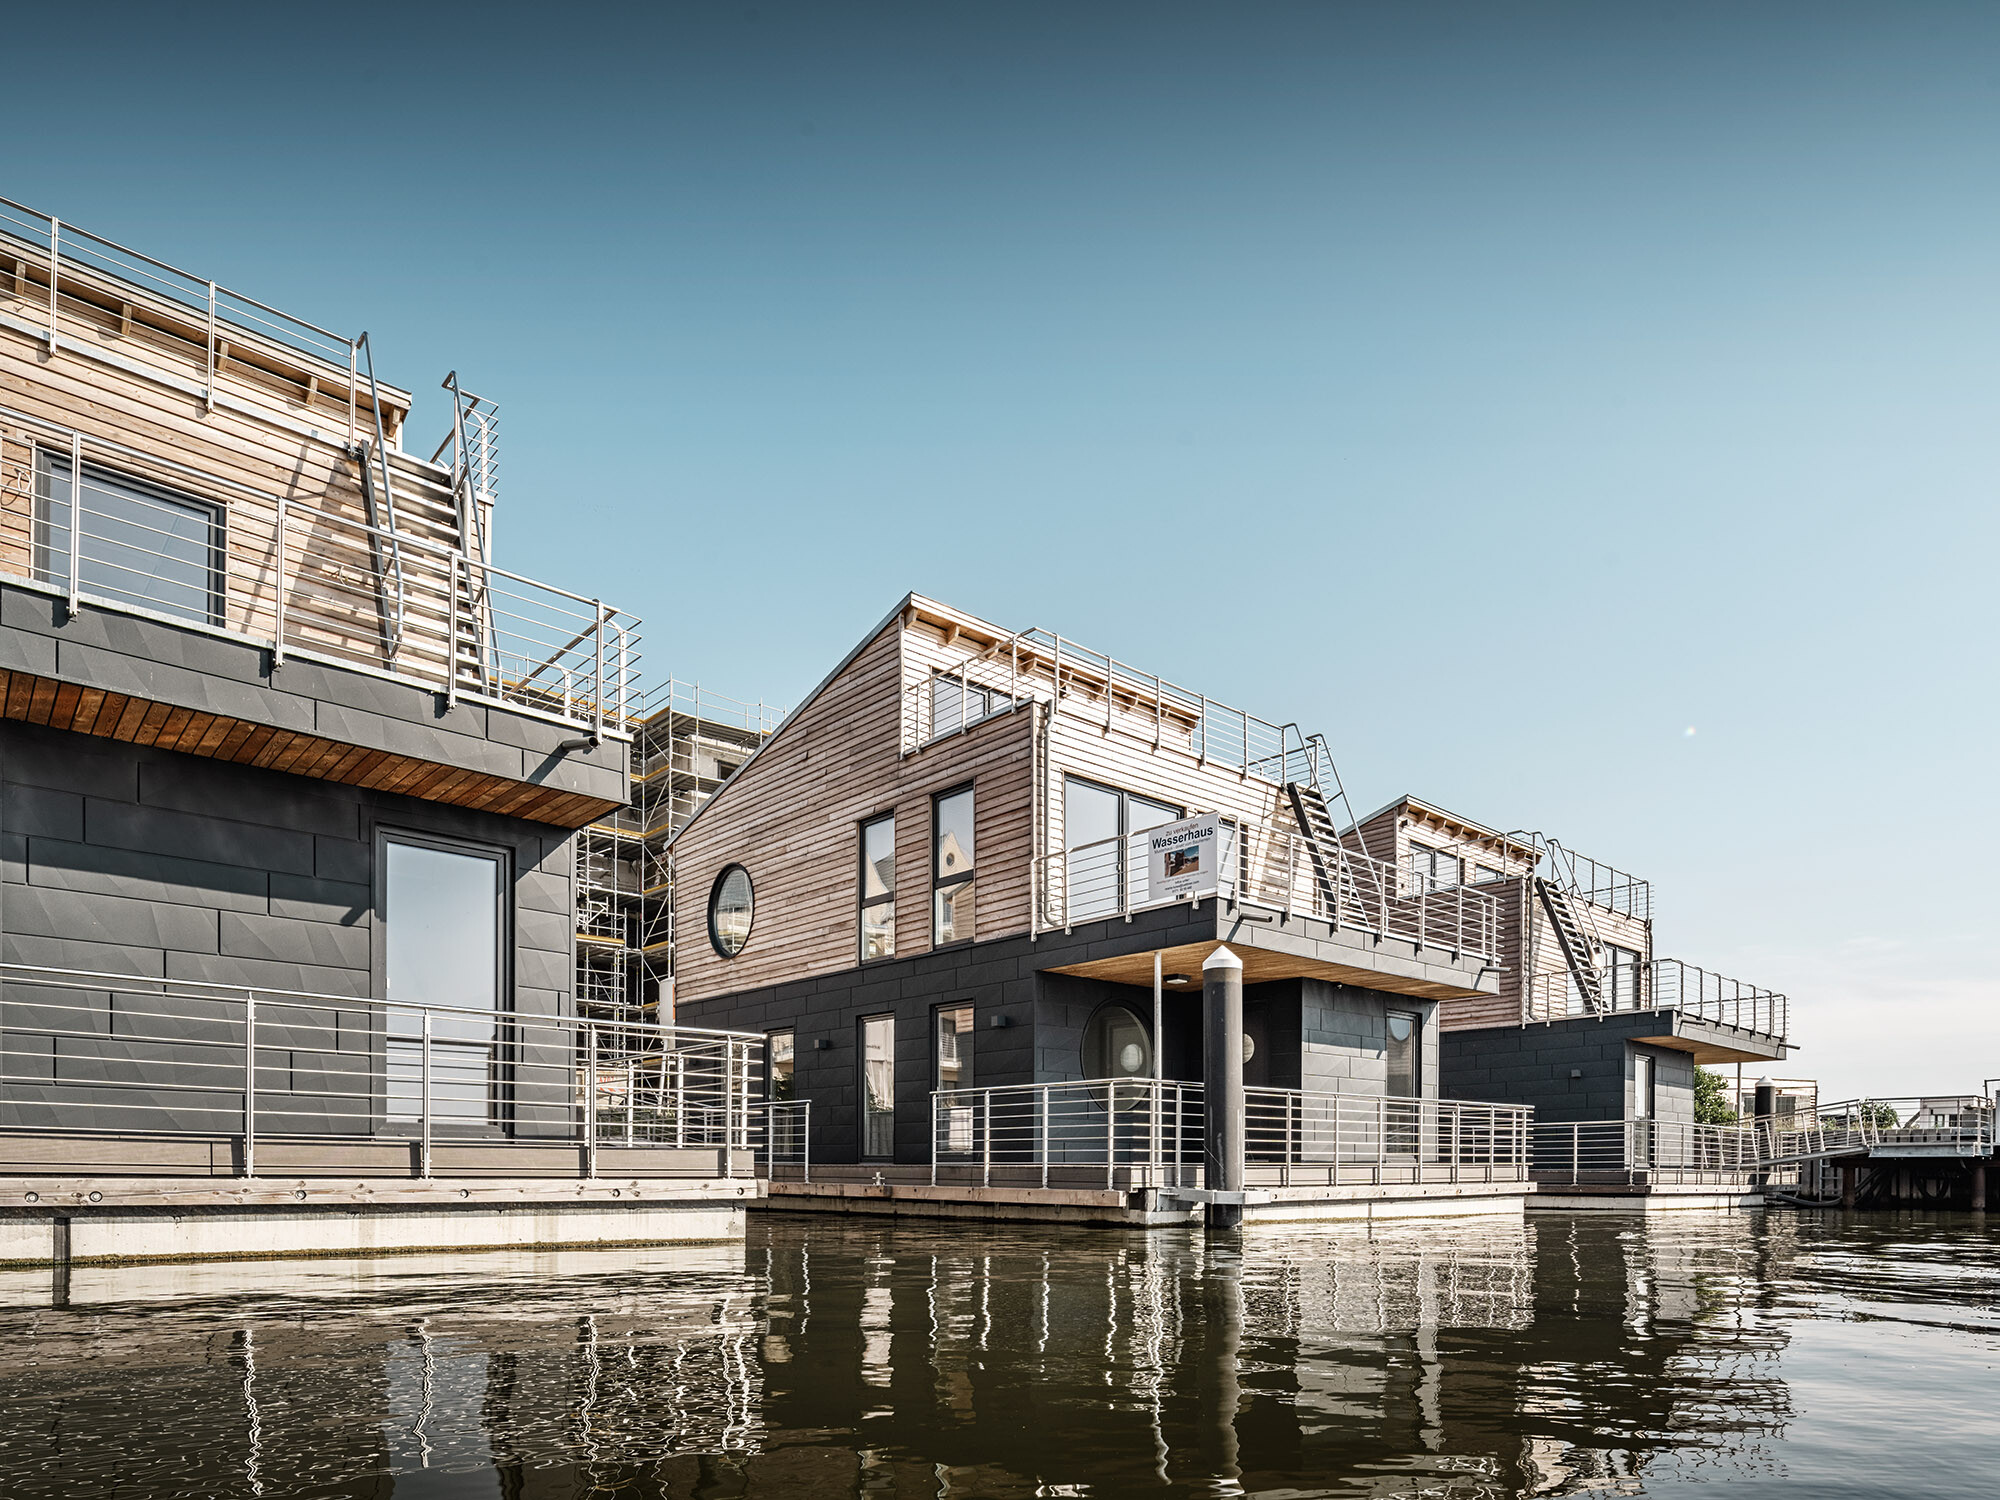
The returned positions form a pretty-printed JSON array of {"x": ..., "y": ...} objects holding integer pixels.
[{"x": 1184, "y": 859}]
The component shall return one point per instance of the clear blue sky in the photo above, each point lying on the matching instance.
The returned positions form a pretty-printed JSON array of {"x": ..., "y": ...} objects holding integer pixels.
[{"x": 1517, "y": 386}]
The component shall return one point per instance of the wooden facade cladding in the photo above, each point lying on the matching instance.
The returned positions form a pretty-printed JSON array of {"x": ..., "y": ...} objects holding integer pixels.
[
  {"x": 1529, "y": 950},
  {"x": 792, "y": 815}
]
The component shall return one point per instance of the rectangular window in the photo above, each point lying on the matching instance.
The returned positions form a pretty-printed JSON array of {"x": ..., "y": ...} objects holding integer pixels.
[
  {"x": 957, "y": 704},
  {"x": 952, "y": 857},
  {"x": 1405, "y": 1054},
  {"x": 780, "y": 1057},
  {"x": 1484, "y": 875},
  {"x": 1643, "y": 1098},
  {"x": 954, "y": 1047},
  {"x": 442, "y": 940},
  {"x": 1433, "y": 870},
  {"x": 1103, "y": 850},
  {"x": 138, "y": 545},
  {"x": 878, "y": 888},
  {"x": 878, "y": 1087}
]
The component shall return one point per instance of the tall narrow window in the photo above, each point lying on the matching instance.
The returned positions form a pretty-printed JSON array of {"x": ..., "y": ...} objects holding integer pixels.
[
  {"x": 441, "y": 915},
  {"x": 954, "y": 1047},
  {"x": 1102, "y": 851},
  {"x": 952, "y": 895},
  {"x": 782, "y": 1054},
  {"x": 878, "y": 888},
  {"x": 878, "y": 1087},
  {"x": 1621, "y": 978},
  {"x": 1643, "y": 1093},
  {"x": 1405, "y": 1055},
  {"x": 136, "y": 544}
]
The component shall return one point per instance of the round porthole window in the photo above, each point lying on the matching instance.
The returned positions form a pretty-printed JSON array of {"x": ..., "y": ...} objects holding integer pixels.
[
  {"x": 729, "y": 911},
  {"x": 1115, "y": 1045}
]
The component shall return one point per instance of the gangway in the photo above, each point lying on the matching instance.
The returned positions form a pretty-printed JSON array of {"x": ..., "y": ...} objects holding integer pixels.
[{"x": 1955, "y": 1126}]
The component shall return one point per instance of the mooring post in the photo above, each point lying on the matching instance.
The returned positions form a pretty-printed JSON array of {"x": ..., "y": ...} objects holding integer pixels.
[
  {"x": 1978, "y": 1186},
  {"x": 1222, "y": 1084},
  {"x": 1850, "y": 1177}
]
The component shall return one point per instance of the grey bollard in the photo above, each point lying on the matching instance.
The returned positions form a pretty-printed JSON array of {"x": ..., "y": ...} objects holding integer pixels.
[{"x": 1222, "y": 1084}]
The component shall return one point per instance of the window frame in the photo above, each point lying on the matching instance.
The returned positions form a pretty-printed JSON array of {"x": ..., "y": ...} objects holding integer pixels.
[
  {"x": 1122, "y": 839},
  {"x": 715, "y": 895},
  {"x": 771, "y": 1063},
  {"x": 938, "y": 1013},
  {"x": 864, "y": 903},
  {"x": 43, "y": 464},
  {"x": 940, "y": 883},
  {"x": 500, "y": 1047},
  {"x": 1428, "y": 881},
  {"x": 993, "y": 701},
  {"x": 861, "y": 1024}
]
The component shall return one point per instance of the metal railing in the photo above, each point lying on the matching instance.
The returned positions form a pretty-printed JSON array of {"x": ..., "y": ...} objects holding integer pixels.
[
  {"x": 1939, "y": 1125},
  {"x": 276, "y": 1077},
  {"x": 1295, "y": 1138},
  {"x": 1642, "y": 1151},
  {"x": 74, "y": 286},
  {"x": 1663, "y": 984},
  {"x": 1102, "y": 1133},
  {"x": 1590, "y": 880},
  {"x": 1044, "y": 667},
  {"x": 1280, "y": 869},
  {"x": 1127, "y": 1134},
  {"x": 308, "y": 582},
  {"x": 786, "y": 1153}
]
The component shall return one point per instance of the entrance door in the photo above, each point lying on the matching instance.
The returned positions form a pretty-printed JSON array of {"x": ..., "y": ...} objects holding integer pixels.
[
  {"x": 1405, "y": 1082},
  {"x": 442, "y": 939}
]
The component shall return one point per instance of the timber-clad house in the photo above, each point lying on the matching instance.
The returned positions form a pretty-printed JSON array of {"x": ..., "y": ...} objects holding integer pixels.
[
  {"x": 930, "y": 877},
  {"x": 292, "y": 769},
  {"x": 929, "y": 889}
]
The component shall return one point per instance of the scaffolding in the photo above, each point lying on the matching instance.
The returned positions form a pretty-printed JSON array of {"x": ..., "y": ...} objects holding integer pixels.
[{"x": 687, "y": 743}]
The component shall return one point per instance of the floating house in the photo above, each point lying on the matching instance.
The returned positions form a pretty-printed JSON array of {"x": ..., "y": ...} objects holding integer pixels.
[
  {"x": 1588, "y": 1024},
  {"x": 292, "y": 771},
  {"x": 966, "y": 892}
]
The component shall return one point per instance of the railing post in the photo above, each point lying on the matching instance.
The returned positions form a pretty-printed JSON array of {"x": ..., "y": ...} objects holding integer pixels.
[
  {"x": 1575, "y": 1153},
  {"x": 249, "y": 1083},
  {"x": 208, "y": 393},
  {"x": 986, "y": 1139},
  {"x": 1043, "y": 1100},
  {"x": 934, "y": 1136},
  {"x": 806, "y": 1144},
  {"x": 424, "y": 1147},
  {"x": 1111, "y": 1136},
  {"x": 75, "y": 519},
  {"x": 631, "y": 1086},
  {"x": 278, "y": 587},
  {"x": 55, "y": 260},
  {"x": 589, "y": 1100},
  {"x": 451, "y": 627},
  {"x": 597, "y": 697}
]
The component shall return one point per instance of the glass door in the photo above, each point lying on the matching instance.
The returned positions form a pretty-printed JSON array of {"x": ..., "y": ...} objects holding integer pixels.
[{"x": 442, "y": 944}]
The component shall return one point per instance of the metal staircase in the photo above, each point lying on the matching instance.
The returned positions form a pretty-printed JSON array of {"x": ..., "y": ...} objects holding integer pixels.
[{"x": 1577, "y": 939}]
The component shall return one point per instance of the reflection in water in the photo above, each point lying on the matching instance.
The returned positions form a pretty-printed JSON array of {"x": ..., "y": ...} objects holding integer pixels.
[{"x": 1564, "y": 1356}]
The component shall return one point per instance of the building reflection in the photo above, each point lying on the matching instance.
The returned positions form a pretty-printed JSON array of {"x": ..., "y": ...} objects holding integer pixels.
[{"x": 1559, "y": 1356}]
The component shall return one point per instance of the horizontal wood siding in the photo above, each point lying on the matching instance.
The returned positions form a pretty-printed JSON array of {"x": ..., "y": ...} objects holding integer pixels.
[{"x": 792, "y": 818}]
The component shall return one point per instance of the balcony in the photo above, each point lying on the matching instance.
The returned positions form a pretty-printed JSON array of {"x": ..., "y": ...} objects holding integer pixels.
[
  {"x": 1661, "y": 985},
  {"x": 1279, "y": 869}
]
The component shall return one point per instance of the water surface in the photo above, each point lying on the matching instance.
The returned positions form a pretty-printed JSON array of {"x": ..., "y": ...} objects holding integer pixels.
[{"x": 1836, "y": 1356}]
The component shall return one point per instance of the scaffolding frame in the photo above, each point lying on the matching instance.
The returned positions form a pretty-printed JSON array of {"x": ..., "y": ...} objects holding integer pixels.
[{"x": 687, "y": 743}]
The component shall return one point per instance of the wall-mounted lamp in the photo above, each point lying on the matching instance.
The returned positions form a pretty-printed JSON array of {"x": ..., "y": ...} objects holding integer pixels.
[
  {"x": 1576, "y": 1072},
  {"x": 1179, "y": 981},
  {"x": 822, "y": 1044},
  {"x": 999, "y": 1023}
]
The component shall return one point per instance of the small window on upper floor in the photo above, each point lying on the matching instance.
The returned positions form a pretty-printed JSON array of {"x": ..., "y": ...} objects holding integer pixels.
[
  {"x": 878, "y": 888},
  {"x": 136, "y": 544},
  {"x": 956, "y": 705},
  {"x": 1486, "y": 875},
  {"x": 1433, "y": 869}
]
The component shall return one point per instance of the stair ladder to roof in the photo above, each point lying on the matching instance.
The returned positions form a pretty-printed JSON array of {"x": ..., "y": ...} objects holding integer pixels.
[
  {"x": 1576, "y": 932},
  {"x": 1331, "y": 869},
  {"x": 475, "y": 463}
]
